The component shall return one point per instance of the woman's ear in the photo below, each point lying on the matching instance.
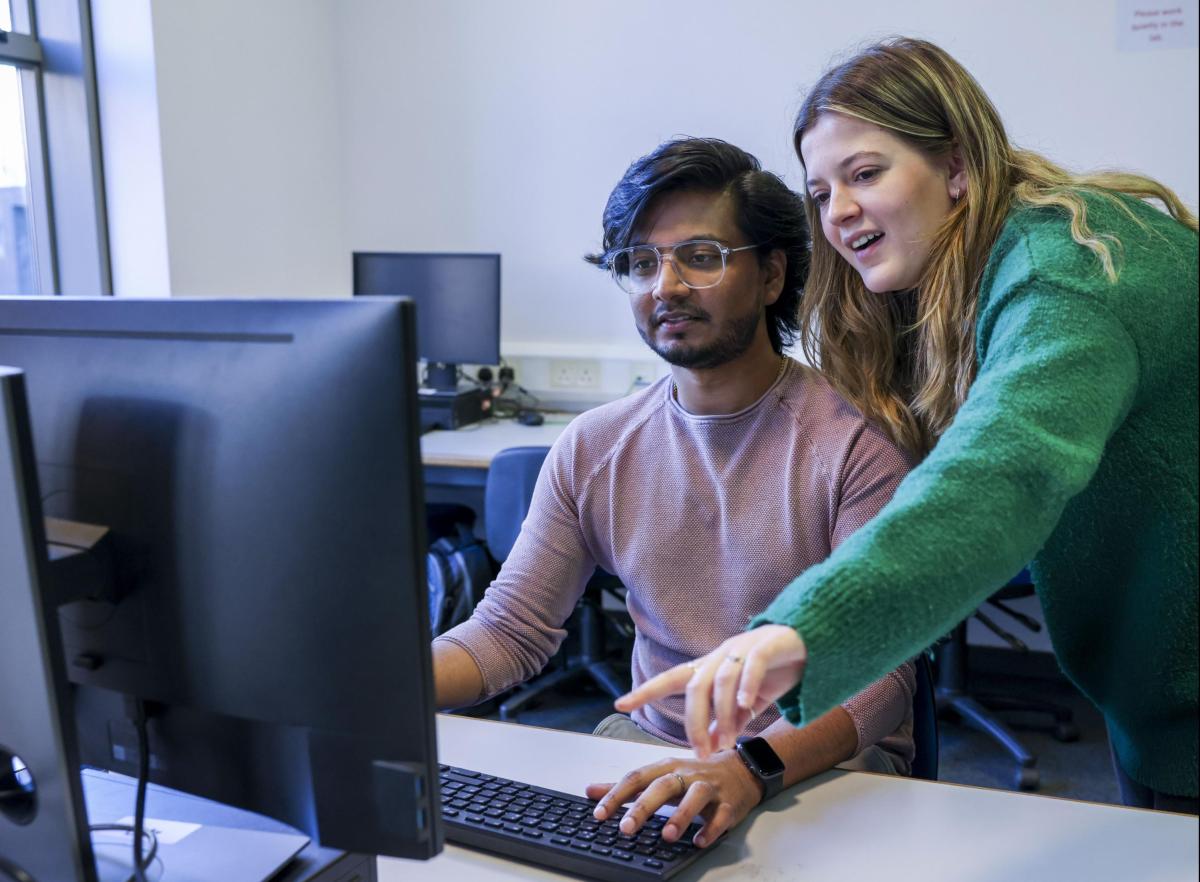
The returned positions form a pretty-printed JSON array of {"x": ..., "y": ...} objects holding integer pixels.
[{"x": 956, "y": 173}]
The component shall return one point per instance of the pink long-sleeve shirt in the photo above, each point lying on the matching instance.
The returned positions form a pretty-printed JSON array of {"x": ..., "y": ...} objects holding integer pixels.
[{"x": 704, "y": 519}]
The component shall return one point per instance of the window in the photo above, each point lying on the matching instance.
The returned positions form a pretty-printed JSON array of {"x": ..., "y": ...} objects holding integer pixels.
[{"x": 52, "y": 230}]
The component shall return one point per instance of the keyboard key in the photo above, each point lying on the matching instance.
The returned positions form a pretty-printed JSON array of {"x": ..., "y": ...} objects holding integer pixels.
[
  {"x": 466, "y": 773},
  {"x": 449, "y": 813},
  {"x": 665, "y": 855},
  {"x": 600, "y": 849},
  {"x": 582, "y": 846},
  {"x": 513, "y": 828},
  {"x": 622, "y": 855},
  {"x": 651, "y": 862},
  {"x": 493, "y": 822},
  {"x": 531, "y": 833},
  {"x": 559, "y": 840},
  {"x": 475, "y": 819}
]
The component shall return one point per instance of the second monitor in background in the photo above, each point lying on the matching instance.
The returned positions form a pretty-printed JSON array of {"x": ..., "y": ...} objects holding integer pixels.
[{"x": 458, "y": 305}]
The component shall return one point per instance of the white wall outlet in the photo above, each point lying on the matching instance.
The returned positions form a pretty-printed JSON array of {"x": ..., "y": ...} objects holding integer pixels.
[
  {"x": 587, "y": 374},
  {"x": 575, "y": 373}
]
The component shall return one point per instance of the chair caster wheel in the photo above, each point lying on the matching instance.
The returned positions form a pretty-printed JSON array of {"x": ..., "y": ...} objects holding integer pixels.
[
  {"x": 1028, "y": 779},
  {"x": 1066, "y": 732}
]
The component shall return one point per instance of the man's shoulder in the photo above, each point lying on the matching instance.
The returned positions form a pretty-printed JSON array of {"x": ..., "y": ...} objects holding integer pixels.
[
  {"x": 601, "y": 428},
  {"x": 814, "y": 401},
  {"x": 831, "y": 423}
]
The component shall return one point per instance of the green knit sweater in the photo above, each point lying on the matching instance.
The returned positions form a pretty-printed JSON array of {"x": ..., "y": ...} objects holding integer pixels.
[{"x": 1076, "y": 449}]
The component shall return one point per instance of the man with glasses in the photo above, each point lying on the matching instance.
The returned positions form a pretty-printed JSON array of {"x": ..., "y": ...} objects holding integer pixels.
[{"x": 706, "y": 493}]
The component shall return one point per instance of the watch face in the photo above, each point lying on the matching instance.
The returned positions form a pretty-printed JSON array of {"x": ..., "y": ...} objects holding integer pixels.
[{"x": 763, "y": 757}]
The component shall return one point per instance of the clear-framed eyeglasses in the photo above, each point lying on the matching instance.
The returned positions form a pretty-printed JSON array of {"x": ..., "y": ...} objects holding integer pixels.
[{"x": 699, "y": 263}]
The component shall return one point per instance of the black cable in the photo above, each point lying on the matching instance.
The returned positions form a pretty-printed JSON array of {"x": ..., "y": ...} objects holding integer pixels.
[
  {"x": 139, "y": 812},
  {"x": 129, "y": 828}
]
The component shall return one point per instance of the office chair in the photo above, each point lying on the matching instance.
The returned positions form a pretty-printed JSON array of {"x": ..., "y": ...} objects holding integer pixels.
[
  {"x": 925, "y": 722},
  {"x": 507, "y": 494},
  {"x": 975, "y": 709}
]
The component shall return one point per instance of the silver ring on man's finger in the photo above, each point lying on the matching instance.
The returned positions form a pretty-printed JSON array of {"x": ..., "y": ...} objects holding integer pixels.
[
  {"x": 736, "y": 659},
  {"x": 682, "y": 783}
]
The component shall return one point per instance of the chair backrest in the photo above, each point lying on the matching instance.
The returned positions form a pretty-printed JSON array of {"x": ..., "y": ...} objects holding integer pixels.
[
  {"x": 925, "y": 722},
  {"x": 510, "y": 480}
]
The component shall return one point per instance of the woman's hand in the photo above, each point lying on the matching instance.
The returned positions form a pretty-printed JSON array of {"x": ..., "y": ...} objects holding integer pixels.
[
  {"x": 731, "y": 685},
  {"x": 720, "y": 789}
]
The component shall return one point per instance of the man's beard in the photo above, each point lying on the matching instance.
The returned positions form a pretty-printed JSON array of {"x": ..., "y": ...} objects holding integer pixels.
[{"x": 736, "y": 337}]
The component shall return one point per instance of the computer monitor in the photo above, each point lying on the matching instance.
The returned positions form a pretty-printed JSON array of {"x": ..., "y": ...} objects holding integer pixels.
[
  {"x": 43, "y": 823},
  {"x": 458, "y": 305},
  {"x": 257, "y": 464}
]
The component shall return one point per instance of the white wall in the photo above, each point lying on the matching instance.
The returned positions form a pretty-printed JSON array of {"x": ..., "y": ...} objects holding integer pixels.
[
  {"x": 502, "y": 126},
  {"x": 131, "y": 148},
  {"x": 296, "y": 131},
  {"x": 250, "y": 141}
]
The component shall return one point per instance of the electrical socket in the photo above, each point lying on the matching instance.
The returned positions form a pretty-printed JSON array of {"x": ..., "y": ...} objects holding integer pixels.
[{"x": 576, "y": 373}]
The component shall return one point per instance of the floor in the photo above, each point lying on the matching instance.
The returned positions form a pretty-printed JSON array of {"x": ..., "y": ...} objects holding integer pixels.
[{"x": 1078, "y": 770}]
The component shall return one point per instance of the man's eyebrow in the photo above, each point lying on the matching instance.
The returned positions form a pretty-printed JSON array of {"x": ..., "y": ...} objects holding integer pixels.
[
  {"x": 853, "y": 157},
  {"x": 706, "y": 237}
]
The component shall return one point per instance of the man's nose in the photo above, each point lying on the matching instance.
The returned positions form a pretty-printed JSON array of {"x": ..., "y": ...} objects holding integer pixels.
[{"x": 669, "y": 285}]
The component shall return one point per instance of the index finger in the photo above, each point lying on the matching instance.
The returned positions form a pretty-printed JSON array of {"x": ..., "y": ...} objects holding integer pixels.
[{"x": 672, "y": 681}]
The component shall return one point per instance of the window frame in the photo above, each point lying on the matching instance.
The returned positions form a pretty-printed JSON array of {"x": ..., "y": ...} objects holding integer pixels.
[{"x": 51, "y": 48}]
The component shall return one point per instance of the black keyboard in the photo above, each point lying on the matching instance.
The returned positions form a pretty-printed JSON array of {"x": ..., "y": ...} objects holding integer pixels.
[{"x": 555, "y": 830}]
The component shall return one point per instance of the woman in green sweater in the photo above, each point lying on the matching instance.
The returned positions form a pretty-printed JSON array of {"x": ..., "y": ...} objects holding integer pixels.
[{"x": 1032, "y": 334}]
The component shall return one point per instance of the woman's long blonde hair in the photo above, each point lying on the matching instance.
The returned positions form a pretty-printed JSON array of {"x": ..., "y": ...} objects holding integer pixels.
[{"x": 907, "y": 361}]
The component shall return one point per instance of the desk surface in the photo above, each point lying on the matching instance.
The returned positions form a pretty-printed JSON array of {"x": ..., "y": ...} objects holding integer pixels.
[
  {"x": 474, "y": 446},
  {"x": 850, "y": 826}
]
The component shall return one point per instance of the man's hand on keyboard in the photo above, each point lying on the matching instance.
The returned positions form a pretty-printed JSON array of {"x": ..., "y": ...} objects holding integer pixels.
[{"x": 720, "y": 789}]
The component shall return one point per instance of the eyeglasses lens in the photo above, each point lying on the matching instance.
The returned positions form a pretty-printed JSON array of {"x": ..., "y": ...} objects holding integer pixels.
[{"x": 697, "y": 264}]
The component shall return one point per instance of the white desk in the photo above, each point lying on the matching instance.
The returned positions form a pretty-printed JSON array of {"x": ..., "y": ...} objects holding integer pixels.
[
  {"x": 474, "y": 446},
  {"x": 849, "y": 826}
]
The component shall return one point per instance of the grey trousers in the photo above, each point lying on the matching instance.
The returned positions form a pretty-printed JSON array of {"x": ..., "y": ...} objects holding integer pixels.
[{"x": 621, "y": 727}]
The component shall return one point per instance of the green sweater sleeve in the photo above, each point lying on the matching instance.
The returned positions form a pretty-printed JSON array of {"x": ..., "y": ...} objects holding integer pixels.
[{"x": 1057, "y": 373}]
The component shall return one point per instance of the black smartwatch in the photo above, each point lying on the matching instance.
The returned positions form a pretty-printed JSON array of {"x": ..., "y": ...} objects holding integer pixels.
[{"x": 763, "y": 762}]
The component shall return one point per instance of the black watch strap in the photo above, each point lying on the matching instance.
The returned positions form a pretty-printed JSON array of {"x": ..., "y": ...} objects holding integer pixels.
[{"x": 763, "y": 762}]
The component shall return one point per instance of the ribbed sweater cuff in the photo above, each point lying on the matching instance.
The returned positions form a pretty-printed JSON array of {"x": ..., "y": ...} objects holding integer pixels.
[{"x": 816, "y": 693}]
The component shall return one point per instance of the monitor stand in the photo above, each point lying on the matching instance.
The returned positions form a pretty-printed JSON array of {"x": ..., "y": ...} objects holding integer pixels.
[{"x": 201, "y": 839}]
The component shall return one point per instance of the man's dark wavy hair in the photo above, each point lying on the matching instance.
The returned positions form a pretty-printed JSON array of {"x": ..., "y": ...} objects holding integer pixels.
[{"x": 766, "y": 210}]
